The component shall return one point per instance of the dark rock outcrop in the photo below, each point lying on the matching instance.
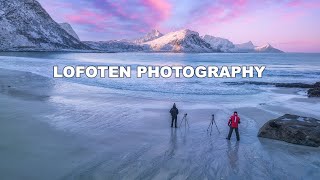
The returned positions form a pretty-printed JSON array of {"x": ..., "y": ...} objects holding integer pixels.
[
  {"x": 287, "y": 85},
  {"x": 294, "y": 85},
  {"x": 315, "y": 91},
  {"x": 293, "y": 129}
]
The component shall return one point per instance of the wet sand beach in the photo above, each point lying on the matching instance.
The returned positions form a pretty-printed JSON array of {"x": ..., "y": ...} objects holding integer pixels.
[{"x": 61, "y": 130}]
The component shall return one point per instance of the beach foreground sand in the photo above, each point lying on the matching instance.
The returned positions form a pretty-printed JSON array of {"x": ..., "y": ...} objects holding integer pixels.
[{"x": 59, "y": 130}]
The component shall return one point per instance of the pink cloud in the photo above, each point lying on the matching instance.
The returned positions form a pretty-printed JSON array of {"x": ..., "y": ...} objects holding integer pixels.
[
  {"x": 303, "y": 4},
  {"x": 212, "y": 14},
  {"x": 297, "y": 9},
  {"x": 86, "y": 17},
  {"x": 111, "y": 16},
  {"x": 162, "y": 8},
  {"x": 141, "y": 15}
]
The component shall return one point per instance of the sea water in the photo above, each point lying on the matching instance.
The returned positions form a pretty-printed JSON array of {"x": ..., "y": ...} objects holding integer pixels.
[
  {"x": 285, "y": 68},
  {"x": 107, "y": 96},
  {"x": 226, "y": 93}
]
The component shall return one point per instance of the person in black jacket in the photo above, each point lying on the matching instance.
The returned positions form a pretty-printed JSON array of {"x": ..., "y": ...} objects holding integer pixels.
[{"x": 174, "y": 114}]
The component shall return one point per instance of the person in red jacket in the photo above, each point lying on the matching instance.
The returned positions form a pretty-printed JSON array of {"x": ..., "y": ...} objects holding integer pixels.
[{"x": 233, "y": 124}]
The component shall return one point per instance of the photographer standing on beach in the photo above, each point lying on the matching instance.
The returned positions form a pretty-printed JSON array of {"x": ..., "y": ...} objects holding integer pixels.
[
  {"x": 233, "y": 124},
  {"x": 174, "y": 114}
]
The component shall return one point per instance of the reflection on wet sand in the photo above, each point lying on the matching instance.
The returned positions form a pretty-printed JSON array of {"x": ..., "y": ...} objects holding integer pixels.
[
  {"x": 172, "y": 143},
  {"x": 233, "y": 155}
]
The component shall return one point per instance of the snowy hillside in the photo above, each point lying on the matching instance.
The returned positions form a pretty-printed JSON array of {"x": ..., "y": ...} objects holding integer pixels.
[
  {"x": 154, "y": 34},
  {"x": 115, "y": 46},
  {"x": 220, "y": 44},
  {"x": 25, "y": 25},
  {"x": 267, "y": 49},
  {"x": 67, "y": 27},
  {"x": 249, "y": 47},
  {"x": 180, "y": 41},
  {"x": 245, "y": 47}
]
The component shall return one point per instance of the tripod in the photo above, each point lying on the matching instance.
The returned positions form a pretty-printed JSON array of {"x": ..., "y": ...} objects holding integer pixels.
[
  {"x": 211, "y": 124},
  {"x": 185, "y": 120}
]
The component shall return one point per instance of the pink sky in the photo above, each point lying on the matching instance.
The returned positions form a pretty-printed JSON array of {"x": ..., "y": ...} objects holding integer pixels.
[{"x": 290, "y": 25}]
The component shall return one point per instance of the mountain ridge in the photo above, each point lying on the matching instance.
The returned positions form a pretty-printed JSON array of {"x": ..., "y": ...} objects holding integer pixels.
[
  {"x": 26, "y": 26},
  {"x": 153, "y": 34},
  {"x": 267, "y": 48},
  {"x": 221, "y": 44},
  {"x": 180, "y": 41},
  {"x": 67, "y": 27}
]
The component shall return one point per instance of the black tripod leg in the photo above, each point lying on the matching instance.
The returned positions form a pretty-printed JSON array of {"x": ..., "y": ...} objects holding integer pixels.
[
  {"x": 187, "y": 123},
  {"x": 209, "y": 126},
  {"x": 181, "y": 122},
  {"x": 216, "y": 126}
]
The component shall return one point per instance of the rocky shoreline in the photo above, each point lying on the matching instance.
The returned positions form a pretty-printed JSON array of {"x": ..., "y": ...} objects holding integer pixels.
[
  {"x": 293, "y": 129},
  {"x": 314, "y": 89}
]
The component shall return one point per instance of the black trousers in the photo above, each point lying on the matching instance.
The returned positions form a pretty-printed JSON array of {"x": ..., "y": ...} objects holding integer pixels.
[
  {"x": 174, "y": 119},
  {"x": 237, "y": 133}
]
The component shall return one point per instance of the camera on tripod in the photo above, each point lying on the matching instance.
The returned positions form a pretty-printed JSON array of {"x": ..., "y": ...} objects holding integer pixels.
[
  {"x": 185, "y": 120},
  {"x": 211, "y": 124}
]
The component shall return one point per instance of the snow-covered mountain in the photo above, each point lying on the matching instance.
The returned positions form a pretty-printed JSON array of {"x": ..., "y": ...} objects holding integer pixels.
[
  {"x": 245, "y": 47},
  {"x": 224, "y": 45},
  {"x": 25, "y": 25},
  {"x": 154, "y": 34},
  {"x": 184, "y": 41},
  {"x": 267, "y": 49},
  {"x": 115, "y": 46},
  {"x": 250, "y": 47},
  {"x": 67, "y": 27},
  {"x": 180, "y": 41},
  {"x": 220, "y": 44}
]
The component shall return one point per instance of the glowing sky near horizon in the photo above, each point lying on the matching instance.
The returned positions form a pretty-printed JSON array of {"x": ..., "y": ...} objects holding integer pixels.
[{"x": 290, "y": 25}]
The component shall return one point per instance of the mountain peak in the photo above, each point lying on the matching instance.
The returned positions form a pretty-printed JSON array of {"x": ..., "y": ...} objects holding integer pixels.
[
  {"x": 156, "y": 32},
  {"x": 183, "y": 40},
  {"x": 187, "y": 32},
  {"x": 67, "y": 27},
  {"x": 153, "y": 34},
  {"x": 268, "y": 45},
  {"x": 245, "y": 46},
  {"x": 267, "y": 48},
  {"x": 249, "y": 43},
  {"x": 220, "y": 44}
]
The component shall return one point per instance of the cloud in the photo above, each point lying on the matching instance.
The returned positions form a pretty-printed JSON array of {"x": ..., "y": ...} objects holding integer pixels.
[
  {"x": 138, "y": 16},
  {"x": 111, "y": 16},
  {"x": 233, "y": 19},
  {"x": 209, "y": 13},
  {"x": 162, "y": 8}
]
